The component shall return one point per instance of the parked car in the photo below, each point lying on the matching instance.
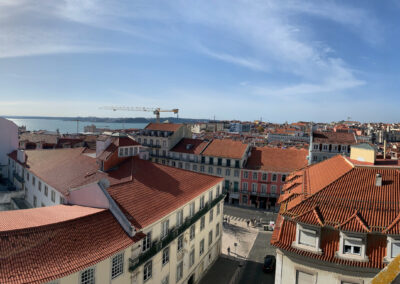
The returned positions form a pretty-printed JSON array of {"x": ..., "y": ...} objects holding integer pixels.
[{"x": 269, "y": 263}]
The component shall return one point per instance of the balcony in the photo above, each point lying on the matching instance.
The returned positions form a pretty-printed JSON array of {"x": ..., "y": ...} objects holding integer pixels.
[
  {"x": 157, "y": 246},
  {"x": 19, "y": 178}
]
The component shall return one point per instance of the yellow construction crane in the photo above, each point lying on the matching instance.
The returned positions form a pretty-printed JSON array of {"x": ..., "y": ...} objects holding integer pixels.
[{"x": 155, "y": 110}]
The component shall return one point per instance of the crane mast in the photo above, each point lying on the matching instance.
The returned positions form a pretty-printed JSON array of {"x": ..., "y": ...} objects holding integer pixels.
[{"x": 154, "y": 110}]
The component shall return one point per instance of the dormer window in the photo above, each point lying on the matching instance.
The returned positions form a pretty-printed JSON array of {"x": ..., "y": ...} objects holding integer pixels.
[
  {"x": 392, "y": 248},
  {"x": 352, "y": 246},
  {"x": 307, "y": 238},
  {"x": 121, "y": 152}
]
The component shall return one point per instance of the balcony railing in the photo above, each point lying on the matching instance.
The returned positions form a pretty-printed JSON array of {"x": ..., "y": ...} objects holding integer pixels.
[
  {"x": 159, "y": 245},
  {"x": 18, "y": 177}
]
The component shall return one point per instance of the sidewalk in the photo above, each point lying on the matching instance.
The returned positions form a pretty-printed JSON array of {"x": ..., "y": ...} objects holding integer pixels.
[{"x": 221, "y": 272}]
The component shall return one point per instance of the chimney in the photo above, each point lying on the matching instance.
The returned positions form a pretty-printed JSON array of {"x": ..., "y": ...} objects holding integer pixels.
[
  {"x": 21, "y": 156},
  {"x": 384, "y": 149},
  {"x": 378, "y": 180}
]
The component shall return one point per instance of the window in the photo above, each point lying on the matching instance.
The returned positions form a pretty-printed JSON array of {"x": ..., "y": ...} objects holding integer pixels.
[
  {"x": 228, "y": 162},
  {"x": 219, "y": 161},
  {"x": 264, "y": 176},
  {"x": 139, "y": 140},
  {"x": 165, "y": 256},
  {"x": 217, "y": 230},
  {"x": 245, "y": 174},
  {"x": 255, "y": 175},
  {"x": 244, "y": 199},
  {"x": 235, "y": 186},
  {"x": 180, "y": 243},
  {"x": 202, "y": 169},
  {"x": 211, "y": 161},
  {"x": 274, "y": 177},
  {"x": 219, "y": 171},
  {"x": 210, "y": 170},
  {"x": 164, "y": 229},
  {"x": 61, "y": 200},
  {"x": 202, "y": 223},
  {"x": 87, "y": 276},
  {"x": 117, "y": 265},
  {"x": 283, "y": 178},
  {"x": 244, "y": 186},
  {"x": 273, "y": 189},
  {"x": 33, "y": 180},
  {"x": 211, "y": 215},
  {"x": 201, "y": 247},
  {"x": 187, "y": 166},
  {"x": 180, "y": 165},
  {"x": 227, "y": 172},
  {"x": 194, "y": 168},
  {"x": 254, "y": 187},
  {"x": 146, "y": 243},
  {"x": 307, "y": 237},
  {"x": 218, "y": 208},
  {"x": 53, "y": 196},
  {"x": 179, "y": 271},
  {"x": 131, "y": 151},
  {"x": 46, "y": 190},
  {"x": 202, "y": 202},
  {"x": 395, "y": 248},
  {"x": 192, "y": 209},
  {"x": 165, "y": 280},
  {"x": 316, "y": 147},
  {"x": 121, "y": 152},
  {"x": 325, "y": 147},
  {"x": 179, "y": 218},
  {"x": 352, "y": 246},
  {"x": 192, "y": 231},
  {"x": 126, "y": 152},
  {"x": 237, "y": 164},
  {"x": 34, "y": 201},
  {"x": 210, "y": 238},
  {"x": 203, "y": 160},
  {"x": 263, "y": 188},
  {"x": 236, "y": 173},
  {"x": 147, "y": 270},
  {"x": 304, "y": 278},
  {"x": 315, "y": 158},
  {"x": 210, "y": 196},
  {"x": 218, "y": 190},
  {"x": 191, "y": 258},
  {"x": 164, "y": 143}
]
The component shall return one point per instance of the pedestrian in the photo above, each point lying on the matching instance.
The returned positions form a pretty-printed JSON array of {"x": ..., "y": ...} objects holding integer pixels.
[
  {"x": 248, "y": 222},
  {"x": 229, "y": 250}
]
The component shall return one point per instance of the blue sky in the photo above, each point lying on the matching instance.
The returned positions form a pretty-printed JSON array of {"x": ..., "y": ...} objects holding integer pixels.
[{"x": 279, "y": 60}]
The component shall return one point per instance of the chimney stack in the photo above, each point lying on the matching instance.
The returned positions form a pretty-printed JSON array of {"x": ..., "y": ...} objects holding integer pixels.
[
  {"x": 384, "y": 149},
  {"x": 378, "y": 180}
]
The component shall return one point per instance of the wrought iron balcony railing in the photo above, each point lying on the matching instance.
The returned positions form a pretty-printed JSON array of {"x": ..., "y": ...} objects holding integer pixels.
[
  {"x": 159, "y": 245},
  {"x": 18, "y": 177}
]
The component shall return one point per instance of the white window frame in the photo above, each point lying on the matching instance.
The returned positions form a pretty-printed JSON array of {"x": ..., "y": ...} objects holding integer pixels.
[
  {"x": 179, "y": 245},
  {"x": 192, "y": 209},
  {"x": 192, "y": 257},
  {"x": 390, "y": 242},
  {"x": 179, "y": 271},
  {"x": 254, "y": 187},
  {"x": 179, "y": 218},
  {"x": 146, "y": 243},
  {"x": 192, "y": 234},
  {"x": 119, "y": 266},
  {"x": 361, "y": 238},
  {"x": 94, "y": 275},
  {"x": 164, "y": 228},
  {"x": 309, "y": 230},
  {"x": 306, "y": 271},
  {"x": 147, "y": 275},
  {"x": 165, "y": 256}
]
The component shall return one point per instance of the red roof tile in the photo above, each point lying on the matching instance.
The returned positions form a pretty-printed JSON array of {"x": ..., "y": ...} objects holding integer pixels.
[
  {"x": 354, "y": 224},
  {"x": 137, "y": 182},
  {"x": 225, "y": 148},
  {"x": 62, "y": 169},
  {"x": 45, "y": 253},
  {"x": 163, "y": 126},
  {"x": 36, "y": 217},
  {"x": 334, "y": 137},
  {"x": 190, "y": 146},
  {"x": 277, "y": 159}
]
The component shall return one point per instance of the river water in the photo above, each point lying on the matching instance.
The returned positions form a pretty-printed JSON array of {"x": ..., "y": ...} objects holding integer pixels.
[{"x": 66, "y": 126}]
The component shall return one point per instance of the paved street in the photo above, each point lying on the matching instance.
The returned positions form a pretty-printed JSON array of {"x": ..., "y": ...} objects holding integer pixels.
[{"x": 253, "y": 245}]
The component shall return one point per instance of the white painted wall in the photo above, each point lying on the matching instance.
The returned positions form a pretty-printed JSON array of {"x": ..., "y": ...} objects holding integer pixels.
[
  {"x": 8, "y": 142},
  {"x": 89, "y": 195}
]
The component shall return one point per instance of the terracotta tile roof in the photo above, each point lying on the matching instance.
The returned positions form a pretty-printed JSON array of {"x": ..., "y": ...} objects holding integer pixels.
[
  {"x": 276, "y": 159},
  {"x": 225, "y": 148},
  {"x": 163, "y": 126},
  {"x": 376, "y": 246},
  {"x": 62, "y": 169},
  {"x": 190, "y": 146},
  {"x": 36, "y": 217},
  {"x": 45, "y": 253},
  {"x": 37, "y": 137},
  {"x": 347, "y": 199},
  {"x": 137, "y": 182},
  {"x": 334, "y": 137}
]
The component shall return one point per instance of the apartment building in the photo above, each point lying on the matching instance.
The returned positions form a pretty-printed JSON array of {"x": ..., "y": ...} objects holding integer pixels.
[
  {"x": 324, "y": 145},
  {"x": 161, "y": 137},
  {"x": 265, "y": 172},
  {"x": 137, "y": 222},
  {"x": 220, "y": 157},
  {"x": 8, "y": 143},
  {"x": 339, "y": 221}
]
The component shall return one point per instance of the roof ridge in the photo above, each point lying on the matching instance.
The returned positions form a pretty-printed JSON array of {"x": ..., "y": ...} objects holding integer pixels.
[
  {"x": 316, "y": 213},
  {"x": 359, "y": 218},
  {"x": 394, "y": 222}
]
